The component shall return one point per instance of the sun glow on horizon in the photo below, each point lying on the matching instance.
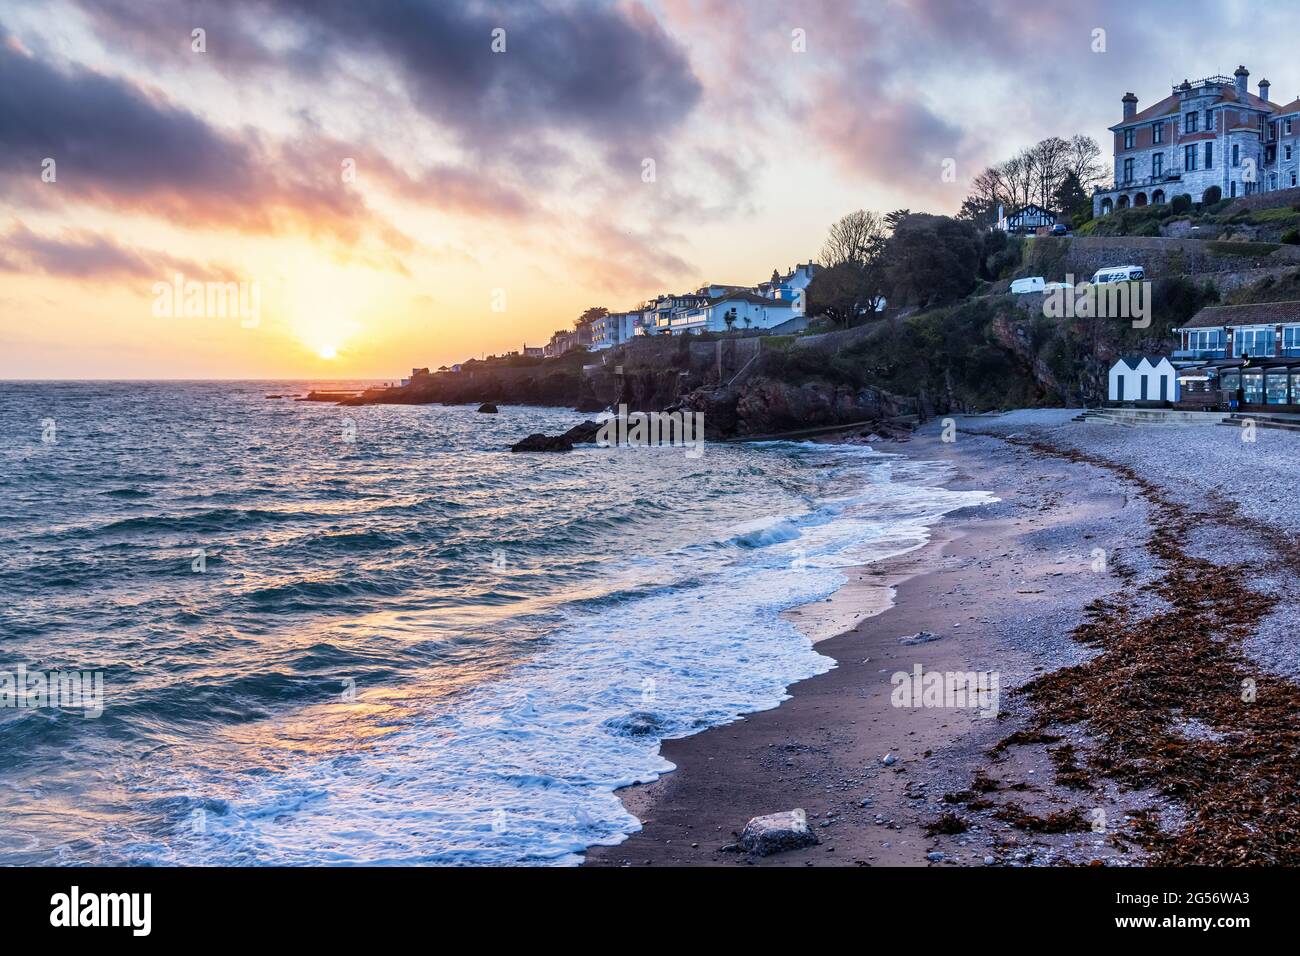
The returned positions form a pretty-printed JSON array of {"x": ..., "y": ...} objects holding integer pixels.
[{"x": 328, "y": 352}]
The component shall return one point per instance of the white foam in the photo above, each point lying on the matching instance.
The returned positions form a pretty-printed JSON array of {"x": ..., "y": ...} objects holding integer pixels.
[{"x": 524, "y": 769}]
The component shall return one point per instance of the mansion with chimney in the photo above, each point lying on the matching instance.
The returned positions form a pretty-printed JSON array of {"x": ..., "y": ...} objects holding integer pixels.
[{"x": 1211, "y": 132}]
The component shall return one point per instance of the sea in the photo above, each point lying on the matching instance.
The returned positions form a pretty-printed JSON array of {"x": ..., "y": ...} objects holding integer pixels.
[{"x": 330, "y": 635}]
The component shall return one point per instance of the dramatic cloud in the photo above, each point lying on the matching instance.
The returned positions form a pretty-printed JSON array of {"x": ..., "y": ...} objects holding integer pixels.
[
  {"x": 587, "y": 67},
  {"x": 118, "y": 145},
  {"x": 87, "y": 255}
]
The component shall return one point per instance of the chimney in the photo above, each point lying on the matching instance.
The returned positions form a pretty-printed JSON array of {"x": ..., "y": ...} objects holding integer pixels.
[
  {"x": 1130, "y": 105},
  {"x": 1263, "y": 90},
  {"x": 1242, "y": 74}
]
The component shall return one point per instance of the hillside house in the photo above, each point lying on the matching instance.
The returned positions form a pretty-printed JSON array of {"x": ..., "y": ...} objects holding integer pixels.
[
  {"x": 1029, "y": 218},
  {"x": 738, "y": 311},
  {"x": 1208, "y": 132}
]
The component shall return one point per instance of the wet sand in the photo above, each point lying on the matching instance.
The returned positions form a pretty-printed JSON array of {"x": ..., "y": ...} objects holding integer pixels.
[{"x": 1001, "y": 586}]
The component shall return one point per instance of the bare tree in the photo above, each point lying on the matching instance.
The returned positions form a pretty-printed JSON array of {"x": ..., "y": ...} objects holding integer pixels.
[
  {"x": 855, "y": 238},
  {"x": 1085, "y": 161},
  {"x": 1018, "y": 171},
  {"x": 1049, "y": 159}
]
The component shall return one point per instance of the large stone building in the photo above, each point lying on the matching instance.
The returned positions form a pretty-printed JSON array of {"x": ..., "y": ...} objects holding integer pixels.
[{"x": 1211, "y": 132}]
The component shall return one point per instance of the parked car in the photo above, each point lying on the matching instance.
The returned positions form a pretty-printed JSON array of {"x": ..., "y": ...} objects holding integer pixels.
[
  {"x": 1060, "y": 229},
  {"x": 1118, "y": 274},
  {"x": 1054, "y": 286},
  {"x": 1031, "y": 284}
]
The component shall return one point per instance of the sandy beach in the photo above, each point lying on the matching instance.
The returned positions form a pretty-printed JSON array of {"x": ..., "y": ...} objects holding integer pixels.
[{"x": 1084, "y": 589}]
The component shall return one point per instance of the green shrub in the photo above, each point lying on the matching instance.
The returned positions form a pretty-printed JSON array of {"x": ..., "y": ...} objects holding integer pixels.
[
  {"x": 1212, "y": 195},
  {"x": 1291, "y": 237},
  {"x": 1181, "y": 204}
]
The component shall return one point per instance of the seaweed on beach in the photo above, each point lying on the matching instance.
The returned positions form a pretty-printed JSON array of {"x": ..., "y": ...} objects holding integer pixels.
[
  {"x": 1068, "y": 772},
  {"x": 1072, "y": 820},
  {"x": 1021, "y": 738},
  {"x": 1154, "y": 672},
  {"x": 948, "y": 823}
]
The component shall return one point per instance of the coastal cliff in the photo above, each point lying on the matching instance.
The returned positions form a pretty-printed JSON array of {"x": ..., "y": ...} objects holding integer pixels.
[{"x": 984, "y": 353}]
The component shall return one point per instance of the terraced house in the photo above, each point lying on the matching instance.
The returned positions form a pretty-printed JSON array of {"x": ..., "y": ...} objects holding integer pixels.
[{"x": 1211, "y": 132}]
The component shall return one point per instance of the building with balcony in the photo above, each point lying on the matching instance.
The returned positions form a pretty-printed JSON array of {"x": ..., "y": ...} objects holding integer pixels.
[
  {"x": 613, "y": 329},
  {"x": 1211, "y": 132},
  {"x": 1250, "y": 353},
  {"x": 735, "y": 311}
]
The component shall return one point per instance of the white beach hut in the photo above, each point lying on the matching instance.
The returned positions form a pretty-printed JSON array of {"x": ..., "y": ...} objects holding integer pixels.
[{"x": 1143, "y": 378}]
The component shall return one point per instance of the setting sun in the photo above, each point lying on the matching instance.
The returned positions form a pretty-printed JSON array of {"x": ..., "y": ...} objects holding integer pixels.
[{"x": 328, "y": 352}]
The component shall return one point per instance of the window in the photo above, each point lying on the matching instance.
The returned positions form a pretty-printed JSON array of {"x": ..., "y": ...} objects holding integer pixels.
[
  {"x": 1158, "y": 132},
  {"x": 1275, "y": 388},
  {"x": 1252, "y": 383},
  {"x": 1157, "y": 164},
  {"x": 1293, "y": 177},
  {"x": 1128, "y": 138},
  {"x": 1291, "y": 340},
  {"x": 1236, "y": 154},
  {"x": 1209, "y": 120},
  {"x": 1206, "y": 340},
  {"x": 1128, "y": 170},
  {"x": 1209, "y": 155},
  {"x": 1189, "y": 157},
  {"x": 1254, "y": 342},
  {"x": 1288, "y": 127},
  {"x": 1232, "y": 188},
  {"x": 1189, "y": 123},
  {"x": 1286, "y": 152}
]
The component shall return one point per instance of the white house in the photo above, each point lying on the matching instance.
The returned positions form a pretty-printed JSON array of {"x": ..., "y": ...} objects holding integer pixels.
[
  {"x": 789, "y": 287},
  {"x": 737, "y": 310},
  {"x": 1143, "y": 378},
  {"x": 613, "y": 329}
]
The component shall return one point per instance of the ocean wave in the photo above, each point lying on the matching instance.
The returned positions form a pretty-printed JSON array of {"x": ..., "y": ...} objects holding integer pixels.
[{"x": 523, "y": 633}]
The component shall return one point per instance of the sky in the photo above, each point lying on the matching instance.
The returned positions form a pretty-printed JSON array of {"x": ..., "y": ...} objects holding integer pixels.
[{"x": 405, "y": 183}]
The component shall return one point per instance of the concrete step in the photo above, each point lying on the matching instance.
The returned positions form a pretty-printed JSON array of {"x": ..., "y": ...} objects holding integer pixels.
[
  {"x": 1264, "y": 421},
  {"x": 1161, "y": 418}
]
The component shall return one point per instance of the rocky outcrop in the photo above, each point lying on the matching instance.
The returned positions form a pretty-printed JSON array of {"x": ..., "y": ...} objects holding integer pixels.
[
  {"x": 584, "y": 433},
  {"x": 488, "y": 408},
  {"x": 540, "y": 442},
  {"x": 776, "y": 833},
  {"x": 766, "y": 406}
]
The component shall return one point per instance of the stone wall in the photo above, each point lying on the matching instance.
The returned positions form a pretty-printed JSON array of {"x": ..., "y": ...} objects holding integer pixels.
[{"x": 1054, "y": 258}]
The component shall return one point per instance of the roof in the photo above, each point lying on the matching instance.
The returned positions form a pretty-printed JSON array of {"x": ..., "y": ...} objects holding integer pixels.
[
  {"x": 1032, "y": 207},
  {"x": 1172, "y": 105},
  {"x": 1133, "y": 361},
  {"x": 1256, "y": 313},
  {"x": 750, "y": 297},
  {"x": 1165, "y": 107}
]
